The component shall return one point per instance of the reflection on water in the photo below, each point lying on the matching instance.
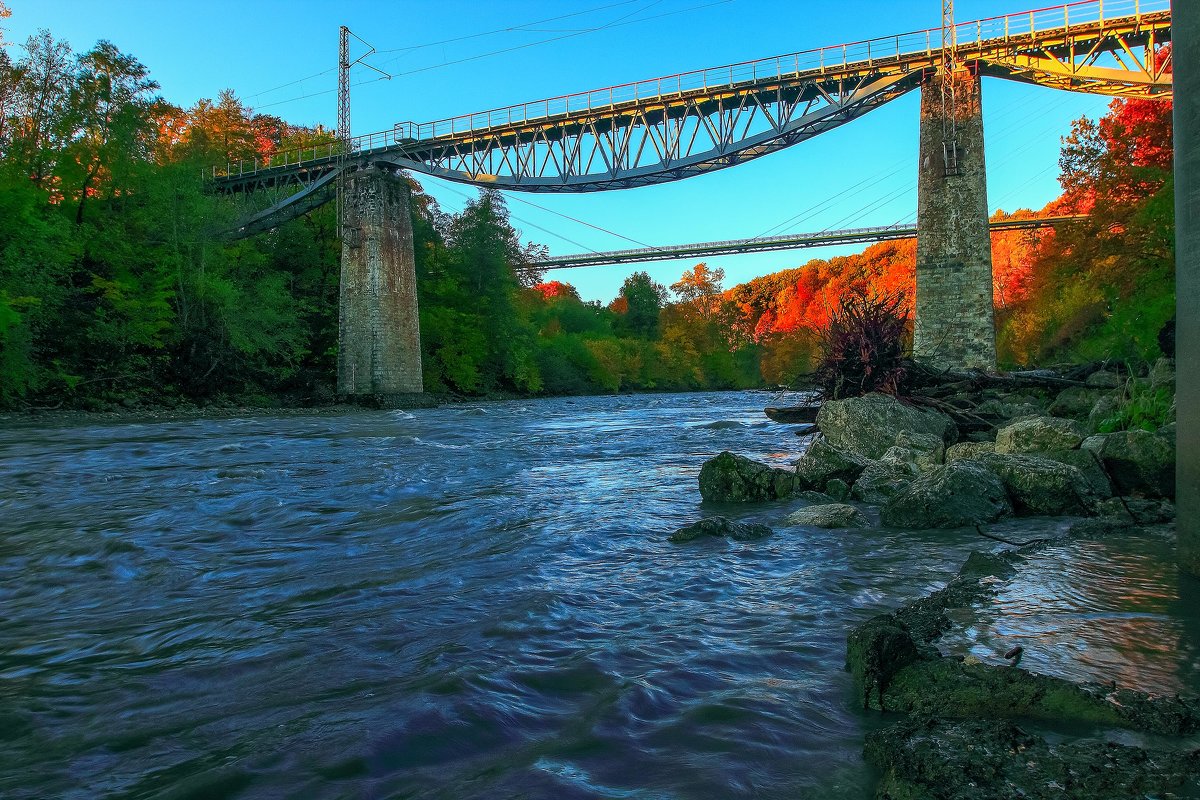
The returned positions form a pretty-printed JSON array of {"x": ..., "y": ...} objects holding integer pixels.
[
  {"x": 449, "y": 603},
  {"x": 1111, "y": 616}
]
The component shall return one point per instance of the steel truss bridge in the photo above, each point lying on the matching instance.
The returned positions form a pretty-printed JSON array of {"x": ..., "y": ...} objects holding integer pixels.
[
  {"x": 761, "y": 244},
  {"x": 677, "y": 126}
]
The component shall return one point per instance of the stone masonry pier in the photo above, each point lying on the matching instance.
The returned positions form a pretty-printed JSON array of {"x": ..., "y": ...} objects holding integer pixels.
[
  {"x": 954, "y": 313},
  {"x": 379, "y": 343}
]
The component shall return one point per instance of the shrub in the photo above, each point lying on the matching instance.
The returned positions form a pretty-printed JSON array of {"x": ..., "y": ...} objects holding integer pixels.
[{"x": 863, "y": 349}]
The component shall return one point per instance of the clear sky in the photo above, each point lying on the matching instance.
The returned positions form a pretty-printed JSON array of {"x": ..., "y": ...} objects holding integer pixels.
[{"x": 451, "y": 57}]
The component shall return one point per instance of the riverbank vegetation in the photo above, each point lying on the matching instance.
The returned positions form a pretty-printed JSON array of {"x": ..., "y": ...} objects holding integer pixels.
[{"x": 117, "y": 287}]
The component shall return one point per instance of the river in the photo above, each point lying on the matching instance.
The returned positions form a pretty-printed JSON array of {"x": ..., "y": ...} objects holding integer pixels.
[{"x": 462, "y": 602}]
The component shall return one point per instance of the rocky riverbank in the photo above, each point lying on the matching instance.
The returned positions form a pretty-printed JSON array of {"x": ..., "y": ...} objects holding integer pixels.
[
  {"x": 1081, "y": 451},
  {"x": 1048, "y": 453}
]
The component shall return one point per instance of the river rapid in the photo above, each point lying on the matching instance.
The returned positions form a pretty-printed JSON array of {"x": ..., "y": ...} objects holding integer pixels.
[{"x": 461, "y": 602}]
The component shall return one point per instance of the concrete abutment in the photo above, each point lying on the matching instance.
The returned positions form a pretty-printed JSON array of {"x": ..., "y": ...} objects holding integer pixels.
[
  {"x": 954, "y": 324},
  {"x": 379, "y": 341}
]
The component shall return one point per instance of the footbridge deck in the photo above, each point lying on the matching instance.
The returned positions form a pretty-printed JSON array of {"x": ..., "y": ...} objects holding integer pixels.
[{"x": 766, "y": 243}]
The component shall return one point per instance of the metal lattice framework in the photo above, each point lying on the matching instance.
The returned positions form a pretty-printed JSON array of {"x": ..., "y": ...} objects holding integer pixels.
[
  {"x": 688, "y": 124},
  {"x": 762, "y": 244}
]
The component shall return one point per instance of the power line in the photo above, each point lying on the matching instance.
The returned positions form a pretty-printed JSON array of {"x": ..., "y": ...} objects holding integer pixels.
[
  {"x": 511, "y": 29},
  {"x": 583, "y": 32}
]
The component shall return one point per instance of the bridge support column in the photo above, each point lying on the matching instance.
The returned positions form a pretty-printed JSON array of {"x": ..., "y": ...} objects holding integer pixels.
[
  {"x": 379, "y": 342},
  {"x": 1185, "y": 34},
  {"x": 954, "y": 324}
]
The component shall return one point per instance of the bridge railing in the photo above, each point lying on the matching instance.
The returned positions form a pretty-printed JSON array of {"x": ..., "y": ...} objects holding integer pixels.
[{"x": 866, "y": 53}]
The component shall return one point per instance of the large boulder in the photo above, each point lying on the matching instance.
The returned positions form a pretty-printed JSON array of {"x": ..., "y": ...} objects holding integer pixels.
[
  {"x": 1031, "y": 434},
  {"x": 721, "y": 527},
  {"x": 1104, "y": 379},
  {"x": 949, "y": 496},
  {"x": 1162, "y": 374},
  {"x": 968, "y": 450},
  {"x": 1139, "y": 462},
  {"x": 883, "y": 480},
  {"x": 1087, "y": 464},
  {"x": 1105, "y": 409},
  {"x": 867, "y": 426},
  {"x": 832, "y": 515},
  {"x": 929, "y": 757},
  {"x": 1076, "y": 402},
  {"x": 1039, "y": 485},
  {"x": 928, "y": 450},
  {"x": 731, "y": 478},
  {"x": 823, "y": 462}
]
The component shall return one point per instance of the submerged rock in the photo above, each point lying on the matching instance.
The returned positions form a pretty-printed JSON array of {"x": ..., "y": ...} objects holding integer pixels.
[
  {"x": 720, "y": 526},
  {"x": 1139, "y": 462},
  {"x": 867, "y": 426},
  {"x": 831, "y": 515},
  {"x": 1039, "y": 485},
  {"x": 732, "y": 478},
  {"x": 974, "y": 759},
  {"x": 1039, "y": 433},
  {"x": 948, "y": 496},
  {"x": 823, "y": 462}
]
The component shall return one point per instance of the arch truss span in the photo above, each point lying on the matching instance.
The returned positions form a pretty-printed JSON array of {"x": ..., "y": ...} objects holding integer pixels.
[
  {"x": 649, "y": 142},
  {"x": 1126, "y": 56}
]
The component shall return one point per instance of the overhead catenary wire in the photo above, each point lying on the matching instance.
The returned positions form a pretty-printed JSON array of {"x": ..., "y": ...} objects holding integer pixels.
[{"x": 495, "y": 52}]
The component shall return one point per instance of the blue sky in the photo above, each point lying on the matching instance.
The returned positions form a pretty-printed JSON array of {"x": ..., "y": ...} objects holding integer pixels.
[{"x": 281, "y": 57}]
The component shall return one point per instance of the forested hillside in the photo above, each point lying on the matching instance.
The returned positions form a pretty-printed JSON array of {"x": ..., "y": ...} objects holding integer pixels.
[{"x": 117, "y": 287}]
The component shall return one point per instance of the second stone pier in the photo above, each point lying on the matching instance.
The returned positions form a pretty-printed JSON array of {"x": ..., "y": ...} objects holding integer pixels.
[
  {"x": 954, "y": 313},
  {"x": 379, "y": 341}
]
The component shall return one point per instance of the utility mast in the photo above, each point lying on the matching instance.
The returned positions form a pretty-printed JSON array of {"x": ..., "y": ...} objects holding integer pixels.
[
  {"x": 343, "y": 118},
  {"x": 949, "y": 78}
]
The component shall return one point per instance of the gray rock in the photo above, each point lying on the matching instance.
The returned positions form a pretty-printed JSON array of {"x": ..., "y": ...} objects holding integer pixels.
[
  {"x": 1168, "y": 432},
  {"x": 1087, "y": 464},
  {"x": 967, "y": 450},
  {"x": 837, "y": 489},
  {"x": 1105, "y": 407},
  {"x": 1076, "y": 402},
  {"x": 1104, "y": 379},
  {"x": 930, "y": 449},
  {"x": 834, "y": 515},
  {"x": 867, "y": 426},
  {"x": 1039, "y": 433},
  {"x": 1162, "y": 374},
  {"x": 1141, "y": 510},
  {"x": 1139, "y": 462},
  {"x": 720, "y": 526},
  {"x": 816, "y": 498},
  {"x": 1039, "y": 485},
  {"x": 999, "y": 408},
  {"x": 732, "y": 478},
  {"x": 925, "y": 757},
  {"x": 881, "y": 481},
  {"x": 949, "y": 496},
  {"x": 823, "y": 462}
]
